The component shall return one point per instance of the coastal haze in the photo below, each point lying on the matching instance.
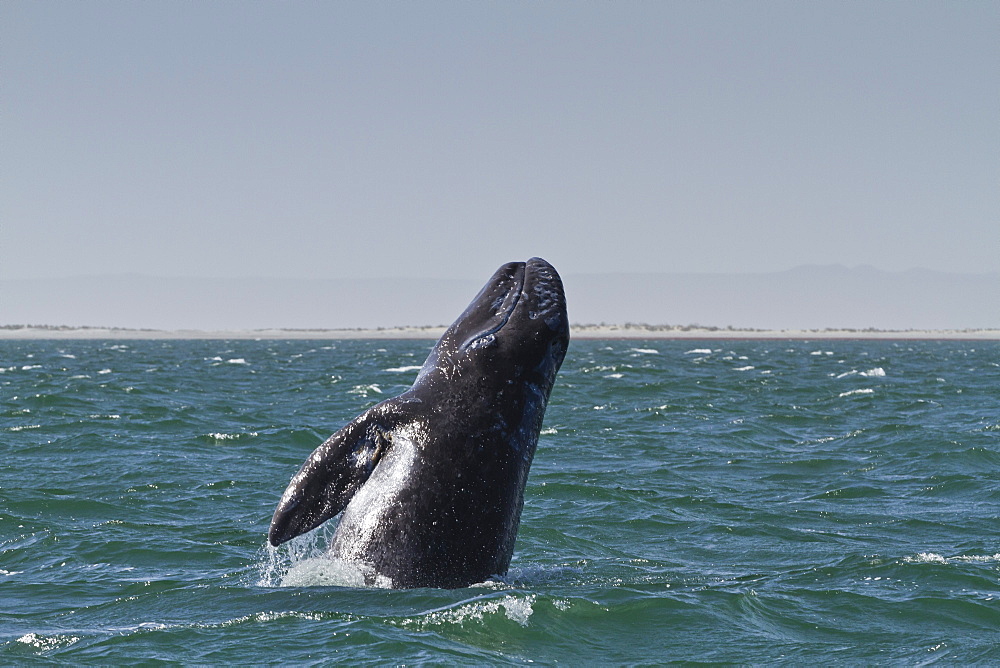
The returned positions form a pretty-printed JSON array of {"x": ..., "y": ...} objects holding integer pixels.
[
  {"x": 801, "y": 298},
  {"x": 358, "y": 165}
]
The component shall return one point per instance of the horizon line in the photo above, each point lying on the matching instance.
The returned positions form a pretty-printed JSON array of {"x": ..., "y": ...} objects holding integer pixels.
[
  {"x": 626, "y": 331},
  {"x": 244, "y": 277}
]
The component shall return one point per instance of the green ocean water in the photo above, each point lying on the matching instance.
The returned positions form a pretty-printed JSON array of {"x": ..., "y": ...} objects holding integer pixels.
[{"x": 690, "y": 501}]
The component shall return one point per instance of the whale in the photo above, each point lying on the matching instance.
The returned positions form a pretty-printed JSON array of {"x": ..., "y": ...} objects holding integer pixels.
[{"x": 429, "y": 485}]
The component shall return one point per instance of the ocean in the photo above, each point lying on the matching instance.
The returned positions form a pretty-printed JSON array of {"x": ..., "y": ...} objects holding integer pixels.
[{"x": 730, "y": 501}]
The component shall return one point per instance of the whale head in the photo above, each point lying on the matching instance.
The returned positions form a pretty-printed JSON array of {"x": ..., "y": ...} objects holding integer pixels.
[{"x": 516, "y": 324}]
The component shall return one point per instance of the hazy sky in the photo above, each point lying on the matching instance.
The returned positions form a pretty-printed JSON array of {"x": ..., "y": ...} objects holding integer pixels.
[{"x": 338, "y": 139}]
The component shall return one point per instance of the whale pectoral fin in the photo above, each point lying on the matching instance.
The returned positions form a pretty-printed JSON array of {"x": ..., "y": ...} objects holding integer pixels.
[{"x": 328, "y": 480}]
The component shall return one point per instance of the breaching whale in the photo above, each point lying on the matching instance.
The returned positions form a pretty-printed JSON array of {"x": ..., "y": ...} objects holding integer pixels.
[{"x": 431, "y": 483}]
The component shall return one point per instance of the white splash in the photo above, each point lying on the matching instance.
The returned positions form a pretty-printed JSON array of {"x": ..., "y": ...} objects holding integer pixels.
[
  {"x": 403, "y": 369},
  {"x": 305, "y": 562},
  {"x": 331, "y": 572}
]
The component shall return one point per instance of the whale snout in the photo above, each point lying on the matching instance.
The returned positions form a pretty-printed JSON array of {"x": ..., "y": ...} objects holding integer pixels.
[{"x": 544, "y": 295}]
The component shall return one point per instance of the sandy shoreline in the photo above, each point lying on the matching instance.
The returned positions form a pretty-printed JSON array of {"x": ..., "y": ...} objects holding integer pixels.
[{"x": 578, "y": 332}]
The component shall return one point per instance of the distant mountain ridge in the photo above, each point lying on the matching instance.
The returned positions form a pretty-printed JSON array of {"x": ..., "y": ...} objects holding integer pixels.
[{"x": 808, "y": 297}]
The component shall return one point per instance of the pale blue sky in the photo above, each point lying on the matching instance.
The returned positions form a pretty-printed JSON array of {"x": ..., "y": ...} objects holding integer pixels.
[{"x": 337, "y": 139}]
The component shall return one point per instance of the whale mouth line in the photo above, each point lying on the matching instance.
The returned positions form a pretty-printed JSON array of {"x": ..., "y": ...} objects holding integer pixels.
[{"x": 518, "y": 292}]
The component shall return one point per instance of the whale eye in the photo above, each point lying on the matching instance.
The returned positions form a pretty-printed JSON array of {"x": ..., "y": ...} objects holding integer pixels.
[{"x": 481, "y": 342}]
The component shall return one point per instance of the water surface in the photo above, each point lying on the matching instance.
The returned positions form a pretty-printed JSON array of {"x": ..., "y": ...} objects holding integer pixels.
[{"x": 729, "y": 501}]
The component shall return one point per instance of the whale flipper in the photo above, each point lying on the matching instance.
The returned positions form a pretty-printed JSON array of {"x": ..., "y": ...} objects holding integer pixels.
[{"x": 331, "y": 476}]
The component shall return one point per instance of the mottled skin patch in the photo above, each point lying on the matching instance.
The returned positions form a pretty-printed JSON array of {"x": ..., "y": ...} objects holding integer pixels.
[{"x": 431, "y": 483}]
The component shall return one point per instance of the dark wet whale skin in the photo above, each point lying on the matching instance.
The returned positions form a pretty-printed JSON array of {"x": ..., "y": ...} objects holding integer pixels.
[{"x": 431, "y": 483}]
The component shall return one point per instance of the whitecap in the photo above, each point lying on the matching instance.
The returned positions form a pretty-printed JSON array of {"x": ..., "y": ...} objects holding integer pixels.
[
  {"x": 365, "y": 389},
  {"x": 926, "y": 558},
  {"x": 861, "y": 391},
  {"x": 877, "y": 372},
  {"x": 644, "y": 351},
  {"x": 518, "y": 609},
  {"x": 978, "y": 558},
  {"x": 22, "y": 427},
  {"x": 46, "y": 643},
  {"x": 104, "y": 372},
  {"x": 236, "y": 360},
  {"x": 267, "y": 617},
  {"x": 219, "y": 436},
  {"x": 744, "y": 368},
  {"x": 515, "y": 608},
  {"x": 699, "y": 351},
  {"x": 602, "y": 367},
  {"x": 615, "y": 375},
  {"x": 933, "y": 558},
  {"x": 403, "y": 369}
]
